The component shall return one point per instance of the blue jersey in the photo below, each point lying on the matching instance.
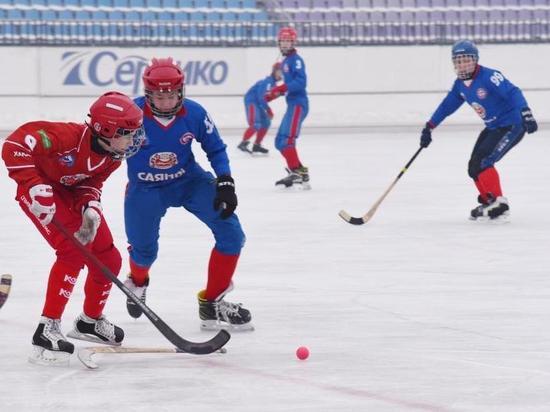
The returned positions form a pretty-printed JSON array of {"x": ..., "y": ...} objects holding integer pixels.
[
  {"x": 494, "y": 98},
  {"x": 166, "y": 154},
  {"x": 295, "y": 78},
  {"x": 257, "y": 92}
]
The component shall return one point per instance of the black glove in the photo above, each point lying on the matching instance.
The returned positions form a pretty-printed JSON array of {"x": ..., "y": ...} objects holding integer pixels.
[
  {"x": 529, "y": 121},
  {"x": 226, "y": 199},
  {"x": 426, "y": 136}
]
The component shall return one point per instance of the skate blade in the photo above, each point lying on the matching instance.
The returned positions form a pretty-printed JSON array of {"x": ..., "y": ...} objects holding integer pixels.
[
  {"x": 213, "y": 325},
  {"x": 500, "y": 220},
  {"x": 44, "y": 357},
  {"x": 90, "y": 338}
]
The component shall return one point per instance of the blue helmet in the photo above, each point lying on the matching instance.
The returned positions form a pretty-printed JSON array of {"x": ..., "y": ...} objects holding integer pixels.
[
  {"x": 465, "y": 47},
  {"x": 465, "y": 68}
]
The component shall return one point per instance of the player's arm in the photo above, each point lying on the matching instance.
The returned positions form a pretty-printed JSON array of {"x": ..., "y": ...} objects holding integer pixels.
[
  {"x": 213, "y": 145},
  {"x": 448, "y": 106},
  {"x": 20, "y": 151},
  {"x": 510, "y": 92}
]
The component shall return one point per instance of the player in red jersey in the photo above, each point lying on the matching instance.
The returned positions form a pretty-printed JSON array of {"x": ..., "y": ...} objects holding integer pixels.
[{"x": 59, "y": 169}]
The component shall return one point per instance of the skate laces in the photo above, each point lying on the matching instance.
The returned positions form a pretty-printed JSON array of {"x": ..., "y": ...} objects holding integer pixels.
[
  {"x": 52, "y": 329},
  {"x": 227, "y": 309},
  {"x": 105, "y": 328}
]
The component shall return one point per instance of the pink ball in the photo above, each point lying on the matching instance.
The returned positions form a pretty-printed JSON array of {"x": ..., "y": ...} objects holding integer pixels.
[{"x": 302, "y": 353}]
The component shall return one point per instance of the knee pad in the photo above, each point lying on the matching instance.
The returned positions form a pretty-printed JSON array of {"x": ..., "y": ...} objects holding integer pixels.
[{"x": 231, "y": 241}]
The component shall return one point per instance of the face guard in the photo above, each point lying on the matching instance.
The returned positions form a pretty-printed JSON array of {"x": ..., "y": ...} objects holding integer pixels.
[
  {"x": 164, "y": 77},
  {"x": 465, "y": 57},
  {"x": 116, "y": 124}
]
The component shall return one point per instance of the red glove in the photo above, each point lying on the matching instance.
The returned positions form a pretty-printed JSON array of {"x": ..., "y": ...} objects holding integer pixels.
[
  {"x": 269, "y": 113},
  {"x": 275, "y": 92}
]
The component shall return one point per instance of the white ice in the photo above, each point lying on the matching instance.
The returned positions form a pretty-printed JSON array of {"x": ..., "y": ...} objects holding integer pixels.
[{"x": 418, "y": 310}]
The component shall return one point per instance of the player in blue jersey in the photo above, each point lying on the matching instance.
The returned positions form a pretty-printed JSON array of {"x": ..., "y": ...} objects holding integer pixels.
[
  {"x": 295, "y": 82},
  {"x": 504, "y": 110},
  {"x": 165, "y": 174},
  {"x": 258, "y": 112}
]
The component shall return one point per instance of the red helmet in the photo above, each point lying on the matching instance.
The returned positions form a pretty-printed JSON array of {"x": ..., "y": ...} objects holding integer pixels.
[
  {"x": 113, "y": 111},
  {"x": 163, "y": 75},
  {"x": 287, "y": 34},
  {"x": 115, "y": 115}
]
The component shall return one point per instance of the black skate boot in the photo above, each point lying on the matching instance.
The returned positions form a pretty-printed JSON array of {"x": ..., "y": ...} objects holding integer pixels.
[
  {"x": 140, "y": 291},
  {"x": 96, "y": 330},
  {"x": 259, "y": 149},
  {"x": 491, "y": 209},
  {"x": 220, "y": 314},
  {"x": 50, "y": 347},
  {"x": 243, "y": 146},
  {"x": 298, "y": 177}
]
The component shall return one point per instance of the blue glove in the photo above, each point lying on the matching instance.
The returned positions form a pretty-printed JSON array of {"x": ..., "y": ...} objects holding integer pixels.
[
  {"x": 426, "y": 136},
  {"x": 529, "y": 122}
]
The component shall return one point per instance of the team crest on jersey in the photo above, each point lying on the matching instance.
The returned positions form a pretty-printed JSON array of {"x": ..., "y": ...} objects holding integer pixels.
[
  {"x": 67, "y": 159},
  {"x": 186, "y": 138},
  {"x": 481, "y": 93},
  {"x": 71, "y": 180},
  {"x": 163, "y": 160},
  {"x": 480, "y": 110}
]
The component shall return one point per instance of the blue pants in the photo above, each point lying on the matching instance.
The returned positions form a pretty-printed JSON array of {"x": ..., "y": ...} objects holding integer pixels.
[
  {"x": 491, "y": 146},
  {"x": 289, "y": 130},
  {"x": 256, "y": 117},
  {"x": 145, "y": 206}
]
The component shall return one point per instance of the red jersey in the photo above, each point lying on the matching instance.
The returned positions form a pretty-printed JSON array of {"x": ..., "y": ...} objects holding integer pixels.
[{"x": 58, "y": 154}]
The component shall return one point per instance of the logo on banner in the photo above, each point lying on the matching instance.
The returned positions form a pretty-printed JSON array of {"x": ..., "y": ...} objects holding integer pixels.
[{"x": 116, "y": 71}]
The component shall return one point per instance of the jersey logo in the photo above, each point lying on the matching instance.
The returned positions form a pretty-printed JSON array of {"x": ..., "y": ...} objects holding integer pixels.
[
  {"x": 67, "y": 159},
  {"x": 186, "y": 138},
  {"x": 92, "y": 168},
  {"x": 46, "y": 142},
  {"x": 163, "y": 160},
  {"x": 71, "y": 180},
  {"x": 481, "y": 93}
]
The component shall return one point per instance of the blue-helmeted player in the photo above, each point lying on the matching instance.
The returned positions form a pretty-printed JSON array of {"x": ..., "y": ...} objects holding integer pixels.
[
  {"x": 258, "y": 112},
  {"x": 504, "y": 110},
  {"x": 164, "y": 174},
  {"x": 295, "y": 82}
]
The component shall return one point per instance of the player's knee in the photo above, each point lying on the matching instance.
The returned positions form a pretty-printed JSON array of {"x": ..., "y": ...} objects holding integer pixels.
[
  {"x": 232, "y": 241},
  {"x": 280, "y": 143},
  {"x": 111, "y": 258},
  {"x": 144, "y": 256},
  {"x": 474, "y": 168}
]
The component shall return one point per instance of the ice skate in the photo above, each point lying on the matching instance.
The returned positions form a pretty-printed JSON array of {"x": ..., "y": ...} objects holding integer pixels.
[
  {"x": 297, "y": 178},
  {"x": 96, "y": 330},
  {"x": 50, "y": 347},
  {"x": 140, "y": 292},
  {"x": 243, "y": 146},
  {"x": 493, "y": 209},
  {"x": 220, "y": 314},
  {"x": 259, "y": 149}
]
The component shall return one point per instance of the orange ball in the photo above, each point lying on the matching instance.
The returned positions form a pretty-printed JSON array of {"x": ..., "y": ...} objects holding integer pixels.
[{"x": 302, "y": 353}]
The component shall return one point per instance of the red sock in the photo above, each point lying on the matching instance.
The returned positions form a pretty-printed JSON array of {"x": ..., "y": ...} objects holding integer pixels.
[
  {"x": 220, "y": 271},
  {"x": 248, "y": 133},
  {"x": 260, "y": 136},
  {"x": 97, "y": 292},
  {"x": 490, "y": 182},
  {"x": 291, "y": 156},
  {"x": 61, "y": 282},
  {"x": 140, "y": 274}
]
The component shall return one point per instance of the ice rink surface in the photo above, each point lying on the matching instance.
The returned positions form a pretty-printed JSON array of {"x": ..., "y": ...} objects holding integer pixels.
[{"x": 418, "y": 310}]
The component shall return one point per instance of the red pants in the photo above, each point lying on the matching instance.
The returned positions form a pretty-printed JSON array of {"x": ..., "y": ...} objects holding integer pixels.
[{"x": 70, "y": 260}]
